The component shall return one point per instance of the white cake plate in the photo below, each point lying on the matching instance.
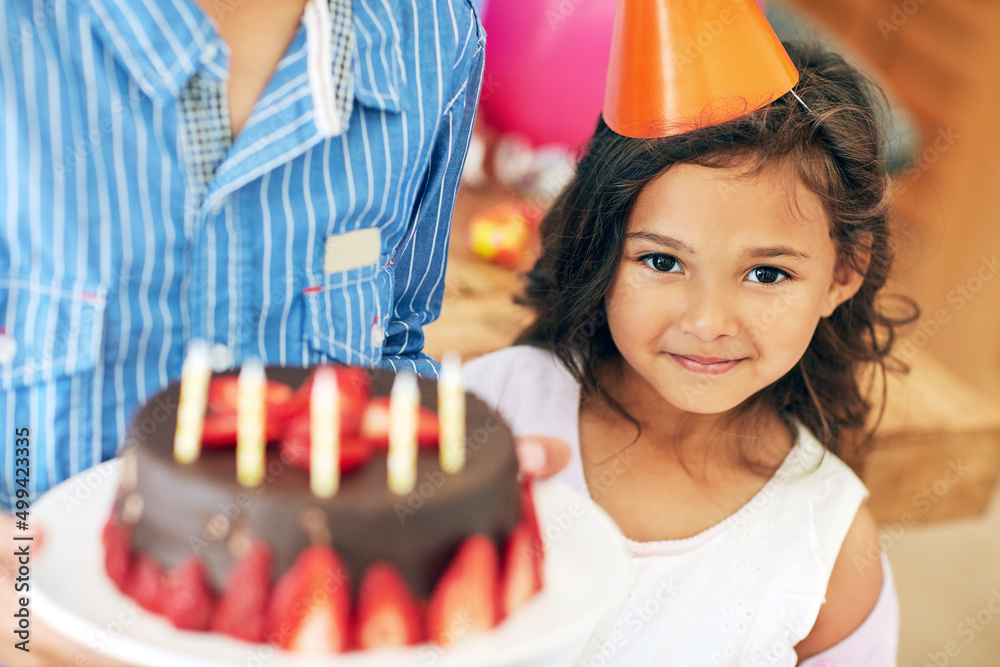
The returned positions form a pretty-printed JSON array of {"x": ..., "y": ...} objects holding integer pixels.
[{"x": 585, "y": 563}]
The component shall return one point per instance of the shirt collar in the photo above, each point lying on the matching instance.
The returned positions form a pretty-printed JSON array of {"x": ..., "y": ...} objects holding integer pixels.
[
  {"x": 379, "y": 73},
  {"x": 159, "y": 42},
  {"x": 329, "y": 62},
  {"x": 162, "y": 43}
]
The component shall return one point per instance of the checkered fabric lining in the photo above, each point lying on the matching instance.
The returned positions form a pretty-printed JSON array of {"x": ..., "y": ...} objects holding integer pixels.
[
  {"x": 342, "y": 36},
  {"x": 205, "y": 107},
  {"x": 205, "y": 110}
]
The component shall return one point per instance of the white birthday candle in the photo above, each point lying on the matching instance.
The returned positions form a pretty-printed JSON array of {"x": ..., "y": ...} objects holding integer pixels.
[
  {"x": 251, "y": 416},
  {"x": 196, "y": 373},
  {"x": 404, "y": 401},
  {"x": 451, "y": 414},
  {"x": 324, "y": 433}
]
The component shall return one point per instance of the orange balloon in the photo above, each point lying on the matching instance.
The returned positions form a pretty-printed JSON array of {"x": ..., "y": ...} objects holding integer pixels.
[{"x": 678, "y": 65}]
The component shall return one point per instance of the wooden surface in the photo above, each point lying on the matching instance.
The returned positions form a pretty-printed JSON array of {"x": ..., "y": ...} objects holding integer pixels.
[{"x": 936, "y": 453}]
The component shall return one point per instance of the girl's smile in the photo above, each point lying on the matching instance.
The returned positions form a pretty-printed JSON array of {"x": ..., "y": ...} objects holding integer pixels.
[
  {"x": 707, "y": 365},
  {"x": 723, "y": 280}
]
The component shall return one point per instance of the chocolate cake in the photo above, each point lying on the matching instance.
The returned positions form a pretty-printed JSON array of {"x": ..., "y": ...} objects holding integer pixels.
[{"x": 198, "y": 512}]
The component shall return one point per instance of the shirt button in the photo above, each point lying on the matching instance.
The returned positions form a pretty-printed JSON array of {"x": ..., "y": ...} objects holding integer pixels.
[
  {"x": 378, "y": 335},
  {"x": 209, "y": 53},
  {"x": 8, "y": 348},
  {"x": 222, "y": 358}
]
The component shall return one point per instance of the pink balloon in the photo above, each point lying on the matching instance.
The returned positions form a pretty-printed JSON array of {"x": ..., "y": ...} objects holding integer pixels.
[{"x": 546, "y": 64}]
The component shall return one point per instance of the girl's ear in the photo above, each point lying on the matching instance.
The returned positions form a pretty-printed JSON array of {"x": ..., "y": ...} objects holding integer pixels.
[{"x": 846, "y": 279}]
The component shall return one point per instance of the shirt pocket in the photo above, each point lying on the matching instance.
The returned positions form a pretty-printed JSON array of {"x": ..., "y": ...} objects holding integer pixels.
[
  {"x": 48, "y": 333},
  {"x": 344, "y": 321}
]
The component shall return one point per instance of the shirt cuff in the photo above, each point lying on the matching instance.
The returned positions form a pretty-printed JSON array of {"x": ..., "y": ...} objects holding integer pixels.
[{"x": 418, "y": 362}]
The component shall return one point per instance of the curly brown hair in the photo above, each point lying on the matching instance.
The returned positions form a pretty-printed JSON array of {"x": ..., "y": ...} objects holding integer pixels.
[{"x": 835, "y": 146}]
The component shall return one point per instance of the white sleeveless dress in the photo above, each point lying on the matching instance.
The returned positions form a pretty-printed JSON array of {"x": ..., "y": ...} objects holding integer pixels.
[{"x": 743, "y": 592}]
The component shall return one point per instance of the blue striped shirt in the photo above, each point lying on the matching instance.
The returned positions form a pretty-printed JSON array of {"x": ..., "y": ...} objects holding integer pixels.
[{"x": 111, "y": 257}]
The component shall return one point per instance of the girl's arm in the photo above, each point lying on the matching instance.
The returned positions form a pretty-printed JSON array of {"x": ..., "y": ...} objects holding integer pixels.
[{"x": 854, "y": 588}]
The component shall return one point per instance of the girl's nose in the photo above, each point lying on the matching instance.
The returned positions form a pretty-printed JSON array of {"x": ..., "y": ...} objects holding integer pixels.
[{"x": 710, "y": 314}]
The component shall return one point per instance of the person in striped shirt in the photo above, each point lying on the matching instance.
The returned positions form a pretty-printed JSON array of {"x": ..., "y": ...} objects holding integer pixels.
[{"x": 277, "y": 178}]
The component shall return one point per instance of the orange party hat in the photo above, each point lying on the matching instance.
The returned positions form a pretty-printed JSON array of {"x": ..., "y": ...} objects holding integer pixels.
[{"x": 678, "y": 65}]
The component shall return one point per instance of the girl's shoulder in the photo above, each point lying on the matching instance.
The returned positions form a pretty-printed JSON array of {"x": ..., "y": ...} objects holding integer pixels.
[
  {"x": 518, "y": 365},
  {"x": 518, "y": 354},
  {"x": 815, "y": 487},
  {"x": 809, "y": 460},
  {"x": 810, "y": 468},
  {"x": 527, "y": 385}
]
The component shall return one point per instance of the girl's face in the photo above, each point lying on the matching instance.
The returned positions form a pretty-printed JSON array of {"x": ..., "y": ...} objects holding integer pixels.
[{"x": 722, "y": 283}]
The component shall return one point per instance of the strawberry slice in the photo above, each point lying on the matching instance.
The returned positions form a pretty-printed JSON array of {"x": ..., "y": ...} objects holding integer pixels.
[
  {"x": 294, "y": 447},
  {"x": 310, "y": 605},
  {"x": 523, "y": 556},
  {"x": 223, "y": 392},
  {"x": 375, "y": 424},
  {"x": 147, "y": 585},
  {"x": 354, "y": 388},
  {"x": 189, "y": 602},
  {"x": 219, "y": 430},
  {"x": 522, "y": 573},
  {"x": 388, "y": 614},
  {"x": 117, "y": 538},
  {"x": 243, "y": 605},
  {"x": 530, "y": 519},
  {"x": 464, "y": 601}
]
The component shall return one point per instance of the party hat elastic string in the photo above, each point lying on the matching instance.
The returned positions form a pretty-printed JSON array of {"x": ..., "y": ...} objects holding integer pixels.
[{"x": 804, "y": 105}]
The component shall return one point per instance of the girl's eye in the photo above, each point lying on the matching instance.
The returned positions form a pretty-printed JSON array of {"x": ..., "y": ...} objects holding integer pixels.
[
  {"x": 661, "y": 263},
  {"x": 767, "y": 275}
]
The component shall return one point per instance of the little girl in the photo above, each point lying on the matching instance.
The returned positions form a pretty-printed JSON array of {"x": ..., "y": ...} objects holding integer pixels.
[{"x": 705, "y": 304}]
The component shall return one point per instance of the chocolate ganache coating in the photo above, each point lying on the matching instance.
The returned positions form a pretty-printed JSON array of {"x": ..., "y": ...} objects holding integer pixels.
[{"x": 200, "y": 509}]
